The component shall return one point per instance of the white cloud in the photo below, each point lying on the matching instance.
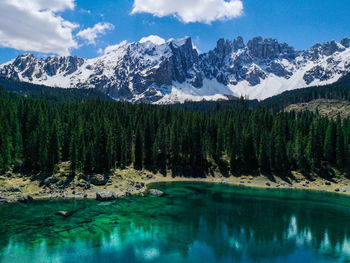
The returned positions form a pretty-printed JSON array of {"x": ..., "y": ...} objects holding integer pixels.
[
  {"x": 54, "y": 5},
  {"x": 100, "y": 51},
  {"x": 35, "y": 25},
  {"x": 154, "y": 39},
  {"x": 204, "y": 11},
  {"x": 90, "y": 34}
]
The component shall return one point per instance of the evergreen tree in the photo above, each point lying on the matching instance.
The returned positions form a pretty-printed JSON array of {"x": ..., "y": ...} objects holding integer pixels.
[
  {"x": 147, "y": 145},
  {"x": 329, "y": 143},
  {"x": 96, "y": 136},
  {"x": 263, "y": 158},
  {"x": 138, "y": 149},
  {"x": 339, "y": 150},
  {"x": 54, "y": 147}
]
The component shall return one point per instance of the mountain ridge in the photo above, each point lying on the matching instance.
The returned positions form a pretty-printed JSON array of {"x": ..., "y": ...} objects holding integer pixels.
[{"x": 162, "y": 72}]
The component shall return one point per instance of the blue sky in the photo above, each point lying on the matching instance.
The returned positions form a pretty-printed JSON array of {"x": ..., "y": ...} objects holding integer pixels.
[{"x": 300, "y": 23}]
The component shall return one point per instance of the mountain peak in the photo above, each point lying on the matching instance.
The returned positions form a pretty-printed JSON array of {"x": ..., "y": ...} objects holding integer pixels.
[
  {"x": 178, "y": 42},
  {"x": 328, "y": 48},
  {"x": 153, "y": 39},
  {"x": 269, "y": 48},
  {"x": 345, "y": 42},
  {"x": 158, "y": 71}
]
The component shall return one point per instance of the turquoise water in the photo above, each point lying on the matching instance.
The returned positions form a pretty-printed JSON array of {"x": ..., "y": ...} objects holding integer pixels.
[{"x": 191, "y": 223}]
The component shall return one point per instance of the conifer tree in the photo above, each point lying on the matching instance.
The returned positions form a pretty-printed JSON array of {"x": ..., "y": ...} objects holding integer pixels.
[
  {"x": 339, "y": 150},
  {"x": 329, "y": 143},
  {"x": 147, "y": 145},
  {"x": 138, "y": 152}
]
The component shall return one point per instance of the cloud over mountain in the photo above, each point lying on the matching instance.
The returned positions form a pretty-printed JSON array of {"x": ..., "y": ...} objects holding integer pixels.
[
  {"x": 91, "y": 33},
  {"x": 187, "y": 11}
]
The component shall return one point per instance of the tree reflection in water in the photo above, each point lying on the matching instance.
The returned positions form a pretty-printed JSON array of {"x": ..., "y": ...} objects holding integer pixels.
[{"x": 192, "y": 223}]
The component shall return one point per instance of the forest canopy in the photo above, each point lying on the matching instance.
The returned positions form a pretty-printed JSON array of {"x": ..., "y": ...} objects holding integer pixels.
[{"x": 99, "y": 135}]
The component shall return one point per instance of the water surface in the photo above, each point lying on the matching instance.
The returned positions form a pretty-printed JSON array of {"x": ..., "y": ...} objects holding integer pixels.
[{"x": 191, "y": 223}]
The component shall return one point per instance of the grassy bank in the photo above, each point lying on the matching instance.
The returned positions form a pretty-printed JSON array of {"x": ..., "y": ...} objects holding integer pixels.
[{"x": 131, "y": 181}]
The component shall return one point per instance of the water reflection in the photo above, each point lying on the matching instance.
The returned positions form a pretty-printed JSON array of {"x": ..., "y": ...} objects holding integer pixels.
[{"x": 193, "y": 223}]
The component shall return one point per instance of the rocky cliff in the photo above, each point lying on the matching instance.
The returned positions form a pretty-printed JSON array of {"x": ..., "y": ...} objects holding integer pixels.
[{"x": 173, "y": 71}]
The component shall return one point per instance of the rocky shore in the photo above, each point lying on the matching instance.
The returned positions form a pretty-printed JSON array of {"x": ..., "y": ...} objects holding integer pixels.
[{"x": 102, "y": 187}]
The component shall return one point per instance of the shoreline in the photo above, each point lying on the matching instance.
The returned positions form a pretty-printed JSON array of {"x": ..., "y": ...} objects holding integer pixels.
[{"x": 133, "y": 182}]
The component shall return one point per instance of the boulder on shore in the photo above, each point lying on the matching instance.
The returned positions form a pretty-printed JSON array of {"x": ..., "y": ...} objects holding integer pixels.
[
  {"x": 83, "y": 184},
  {"x": 155, "y": 192},
  {"x": 25, "y": 199},
  {"x": 13, "y": 189},
  {"x": 50, "y": 180},
  {"x": 98, "y": 179},
  {"x": 106, "y": 196},
  {"x": 139, "y": 185},
  {"x": 3, "y": 200}
]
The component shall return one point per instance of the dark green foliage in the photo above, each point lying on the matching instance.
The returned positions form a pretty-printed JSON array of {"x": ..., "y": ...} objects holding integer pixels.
[
  {"x": 98, "y": 135},
  {"x": 330, "y": 143},
  {"x": 50, "y": 94},
  {"x": 138, "y": 148}
]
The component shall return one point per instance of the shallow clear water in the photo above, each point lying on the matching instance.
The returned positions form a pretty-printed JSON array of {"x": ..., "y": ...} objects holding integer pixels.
[{"x": 191, "y": 223}]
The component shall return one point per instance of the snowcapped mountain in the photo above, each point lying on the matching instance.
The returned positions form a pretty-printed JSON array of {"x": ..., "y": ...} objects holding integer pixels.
[{"x": 157, "y": 71}]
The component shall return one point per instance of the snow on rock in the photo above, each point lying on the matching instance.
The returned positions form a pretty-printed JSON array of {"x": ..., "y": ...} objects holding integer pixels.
[
  {"x": 157, "y": 71},
  {"x": 153, "y": 39}
]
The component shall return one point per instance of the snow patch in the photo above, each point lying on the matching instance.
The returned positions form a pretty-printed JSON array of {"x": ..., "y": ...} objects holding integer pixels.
[
  {"x": 178, "y": 42},
  {"x": 211, "y": 90},
  {"x": 154, "y": 39}
]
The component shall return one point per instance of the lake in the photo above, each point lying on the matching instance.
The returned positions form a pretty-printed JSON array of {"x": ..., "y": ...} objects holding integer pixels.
[{"x": 192, "y": 222}]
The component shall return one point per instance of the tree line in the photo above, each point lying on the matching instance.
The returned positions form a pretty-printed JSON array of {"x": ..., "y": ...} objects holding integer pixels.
[{"x": 98, "y": 135}]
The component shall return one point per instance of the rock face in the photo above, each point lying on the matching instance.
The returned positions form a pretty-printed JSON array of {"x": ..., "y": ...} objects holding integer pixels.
[
  {"x": 106, "y": 196},
  {"x": 155, "y": 192},
  {"x": 173, "y": 71}
]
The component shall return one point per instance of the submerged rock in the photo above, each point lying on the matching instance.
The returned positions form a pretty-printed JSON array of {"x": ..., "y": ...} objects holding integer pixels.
[
  {"x": 66, "y": 213},
  {"x": 106, "y": 196},
  {"x": 25, "y": 199},
  {"x": 155, "y": 192},
  {"x": 62, "y": 213}
]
